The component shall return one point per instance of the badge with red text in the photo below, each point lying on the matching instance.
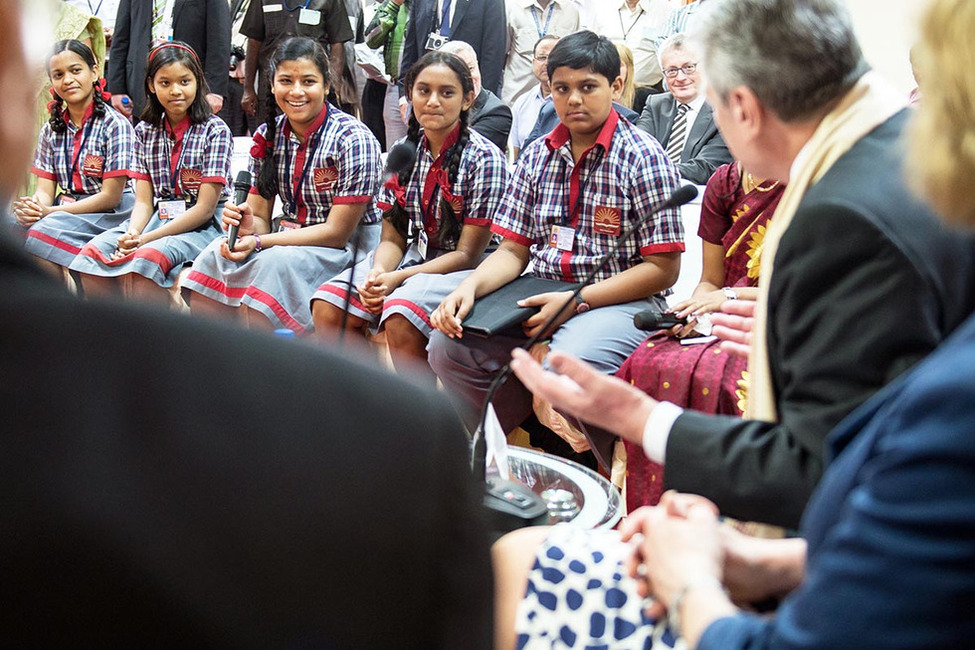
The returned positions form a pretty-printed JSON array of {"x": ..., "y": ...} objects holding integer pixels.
[
  {"x": 92, "y": 166},
  {"x": 325, "y": 178},
  {"x": 606, "y": 221},
  {"x": 285, "y": 224},
  {"x": 190, "y": 179}
]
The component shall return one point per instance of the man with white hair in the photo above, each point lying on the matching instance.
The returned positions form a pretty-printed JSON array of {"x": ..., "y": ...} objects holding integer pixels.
[
  {"x": 489, "y": 116},
  {"x": 859, "y": 280},
  {"x": 682, "y": 120}
]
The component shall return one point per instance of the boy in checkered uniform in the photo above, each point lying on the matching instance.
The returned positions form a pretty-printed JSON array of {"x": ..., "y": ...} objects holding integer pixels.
[{"x": 571, "y": 195}]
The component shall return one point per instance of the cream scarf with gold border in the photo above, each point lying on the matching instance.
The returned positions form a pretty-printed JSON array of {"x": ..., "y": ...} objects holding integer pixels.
[{"x": 868, "y": 104}]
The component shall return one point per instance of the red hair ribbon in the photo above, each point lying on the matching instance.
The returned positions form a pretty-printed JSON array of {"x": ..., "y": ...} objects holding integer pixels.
[
  {"x": 261, "y": 147},
  {"x": 398, "y": 191},
  {"x": 100, "y": 87}
]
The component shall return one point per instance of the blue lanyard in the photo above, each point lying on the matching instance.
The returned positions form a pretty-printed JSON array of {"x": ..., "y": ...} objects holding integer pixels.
[
  {"x": 548, "y": 19},
  {"x": 626, "y": 32},
  {"x": 313, "y": 142},
  {"x": 567, "y": 216},
  {"x": 69, "y": 153},
  {"x": 94, "y": 12},
  {"x": 299, "y": 5}
]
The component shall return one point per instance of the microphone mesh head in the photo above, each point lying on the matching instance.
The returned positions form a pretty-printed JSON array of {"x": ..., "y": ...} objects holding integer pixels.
[
  {"x": 400, "y": 157},
  {"x": 243, "y": 181}
]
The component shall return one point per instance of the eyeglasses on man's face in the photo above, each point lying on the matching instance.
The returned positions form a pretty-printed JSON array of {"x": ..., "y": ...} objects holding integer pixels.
[{"x": 687, "y": 68}]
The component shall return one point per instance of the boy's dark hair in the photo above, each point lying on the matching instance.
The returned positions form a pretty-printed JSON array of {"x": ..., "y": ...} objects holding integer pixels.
[
  {"x": 293, "y": 49},
  {"x": 585, "y": 51},
  {"x": 167, "y": 54},
  {"x": 57, "y": 107}
]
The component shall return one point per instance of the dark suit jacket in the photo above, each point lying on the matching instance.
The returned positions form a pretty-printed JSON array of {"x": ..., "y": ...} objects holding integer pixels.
[
  {"x": 178, "y": 483},
  {"x": 480, "y": 23},
  {"x": 491, "y": 118},
  {"x": 891, "y": 529},
  {"x": 704, "y": 150},
  {"x": 202, "y": 24},
  {"x": 866, "y": 283}
]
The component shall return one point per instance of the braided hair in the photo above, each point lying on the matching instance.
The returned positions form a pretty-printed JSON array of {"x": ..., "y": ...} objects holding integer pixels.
[
  {"x": 56, "y": 107},
  {"x": 292, "y": 49},
  {"x": 448, "y": 232}
]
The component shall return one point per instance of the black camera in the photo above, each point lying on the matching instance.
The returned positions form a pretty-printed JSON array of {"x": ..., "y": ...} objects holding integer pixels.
[
  {"x": 435, "y": 41},
  {"x": 236, "y": 56}
]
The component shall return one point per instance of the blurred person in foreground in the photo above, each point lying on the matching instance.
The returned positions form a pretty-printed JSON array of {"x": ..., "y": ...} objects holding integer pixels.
[
  {"x": 859, "y": 279},
  {"x": 177, "y": 514},
  {"x": 887, "y": 554}
]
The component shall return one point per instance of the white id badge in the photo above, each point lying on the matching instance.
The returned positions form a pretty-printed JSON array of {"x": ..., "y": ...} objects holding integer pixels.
[
  {"x": 309, "y": 17},
  {"x": 562, "y": 238},
  {"x": 171, "y": 209},
  {"x": 270, "y": 9},
  {"x": 421, "y": 244}
]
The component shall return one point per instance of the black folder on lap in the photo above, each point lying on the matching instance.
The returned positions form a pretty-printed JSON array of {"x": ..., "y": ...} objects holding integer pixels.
[{"x": 498, "y": 312}]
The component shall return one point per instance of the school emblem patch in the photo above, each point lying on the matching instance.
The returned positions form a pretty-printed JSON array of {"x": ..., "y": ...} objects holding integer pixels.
[
  {"x": 190, "y": 179},
  {"x": 607, "y": 220},
  {"x": 93, "y": 166},
  {"x": 325, "y": 178},
  {"x": 456, "y": 204}
]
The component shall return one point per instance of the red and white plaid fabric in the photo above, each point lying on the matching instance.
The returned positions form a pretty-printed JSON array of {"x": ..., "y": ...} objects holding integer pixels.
[
  {"x": 616, "y": 183},
  {"x": 201, "y": 153},
  {"x": 345, "y": 165},
  {"x": 103, "y": 147}
]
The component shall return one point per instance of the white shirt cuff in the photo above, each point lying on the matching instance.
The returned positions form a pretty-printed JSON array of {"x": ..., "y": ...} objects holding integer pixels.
[{"x": 657, "y": 430}]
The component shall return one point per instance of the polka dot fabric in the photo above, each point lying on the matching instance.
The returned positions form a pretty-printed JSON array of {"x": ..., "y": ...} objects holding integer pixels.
[{"x": 579, "y": 596}]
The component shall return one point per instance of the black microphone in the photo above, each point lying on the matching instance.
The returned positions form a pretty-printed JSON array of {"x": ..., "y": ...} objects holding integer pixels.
[
  {"x": 399, "y": 158},
  {"x": 241, "y": 188},
  {"x": 651, "y": 320},
  {"x": 682, "y": 195}
]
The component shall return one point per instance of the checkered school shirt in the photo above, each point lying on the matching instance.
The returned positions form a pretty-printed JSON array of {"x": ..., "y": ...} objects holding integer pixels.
[
  {"x": 103, "y": 147},
  {"x": 345, "y": 166},
  {"x": 619, "y": 180},
  {"x": 481, "y": 179},
  {"x": 200, "y": 153}
]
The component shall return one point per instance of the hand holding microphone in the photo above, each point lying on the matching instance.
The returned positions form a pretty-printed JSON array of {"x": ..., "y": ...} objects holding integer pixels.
[{"x": 240, "y": 213}]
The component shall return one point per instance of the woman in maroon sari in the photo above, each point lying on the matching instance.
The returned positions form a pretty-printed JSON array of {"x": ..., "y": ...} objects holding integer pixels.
[{"x": 734, "y": 215}]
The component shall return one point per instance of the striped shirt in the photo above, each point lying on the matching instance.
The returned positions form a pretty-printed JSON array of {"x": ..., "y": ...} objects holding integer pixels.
[
  {"x": 343, "y": 166},
  {"x": 481, "y": 180},
  {"x": 617, "y": 182},
  {"x": 79, "y": 159},
  {"x": 680, "y": 20},
  {"x": 176, "y": 161}
]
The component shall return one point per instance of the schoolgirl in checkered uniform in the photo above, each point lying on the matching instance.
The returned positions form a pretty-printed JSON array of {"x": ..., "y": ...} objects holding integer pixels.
[
  {"x": 436, "y": 222},
  {"x": 324, "y": 166},
  {"x": 181, "y": 171},
  {"x": 86, "y": 149}
]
